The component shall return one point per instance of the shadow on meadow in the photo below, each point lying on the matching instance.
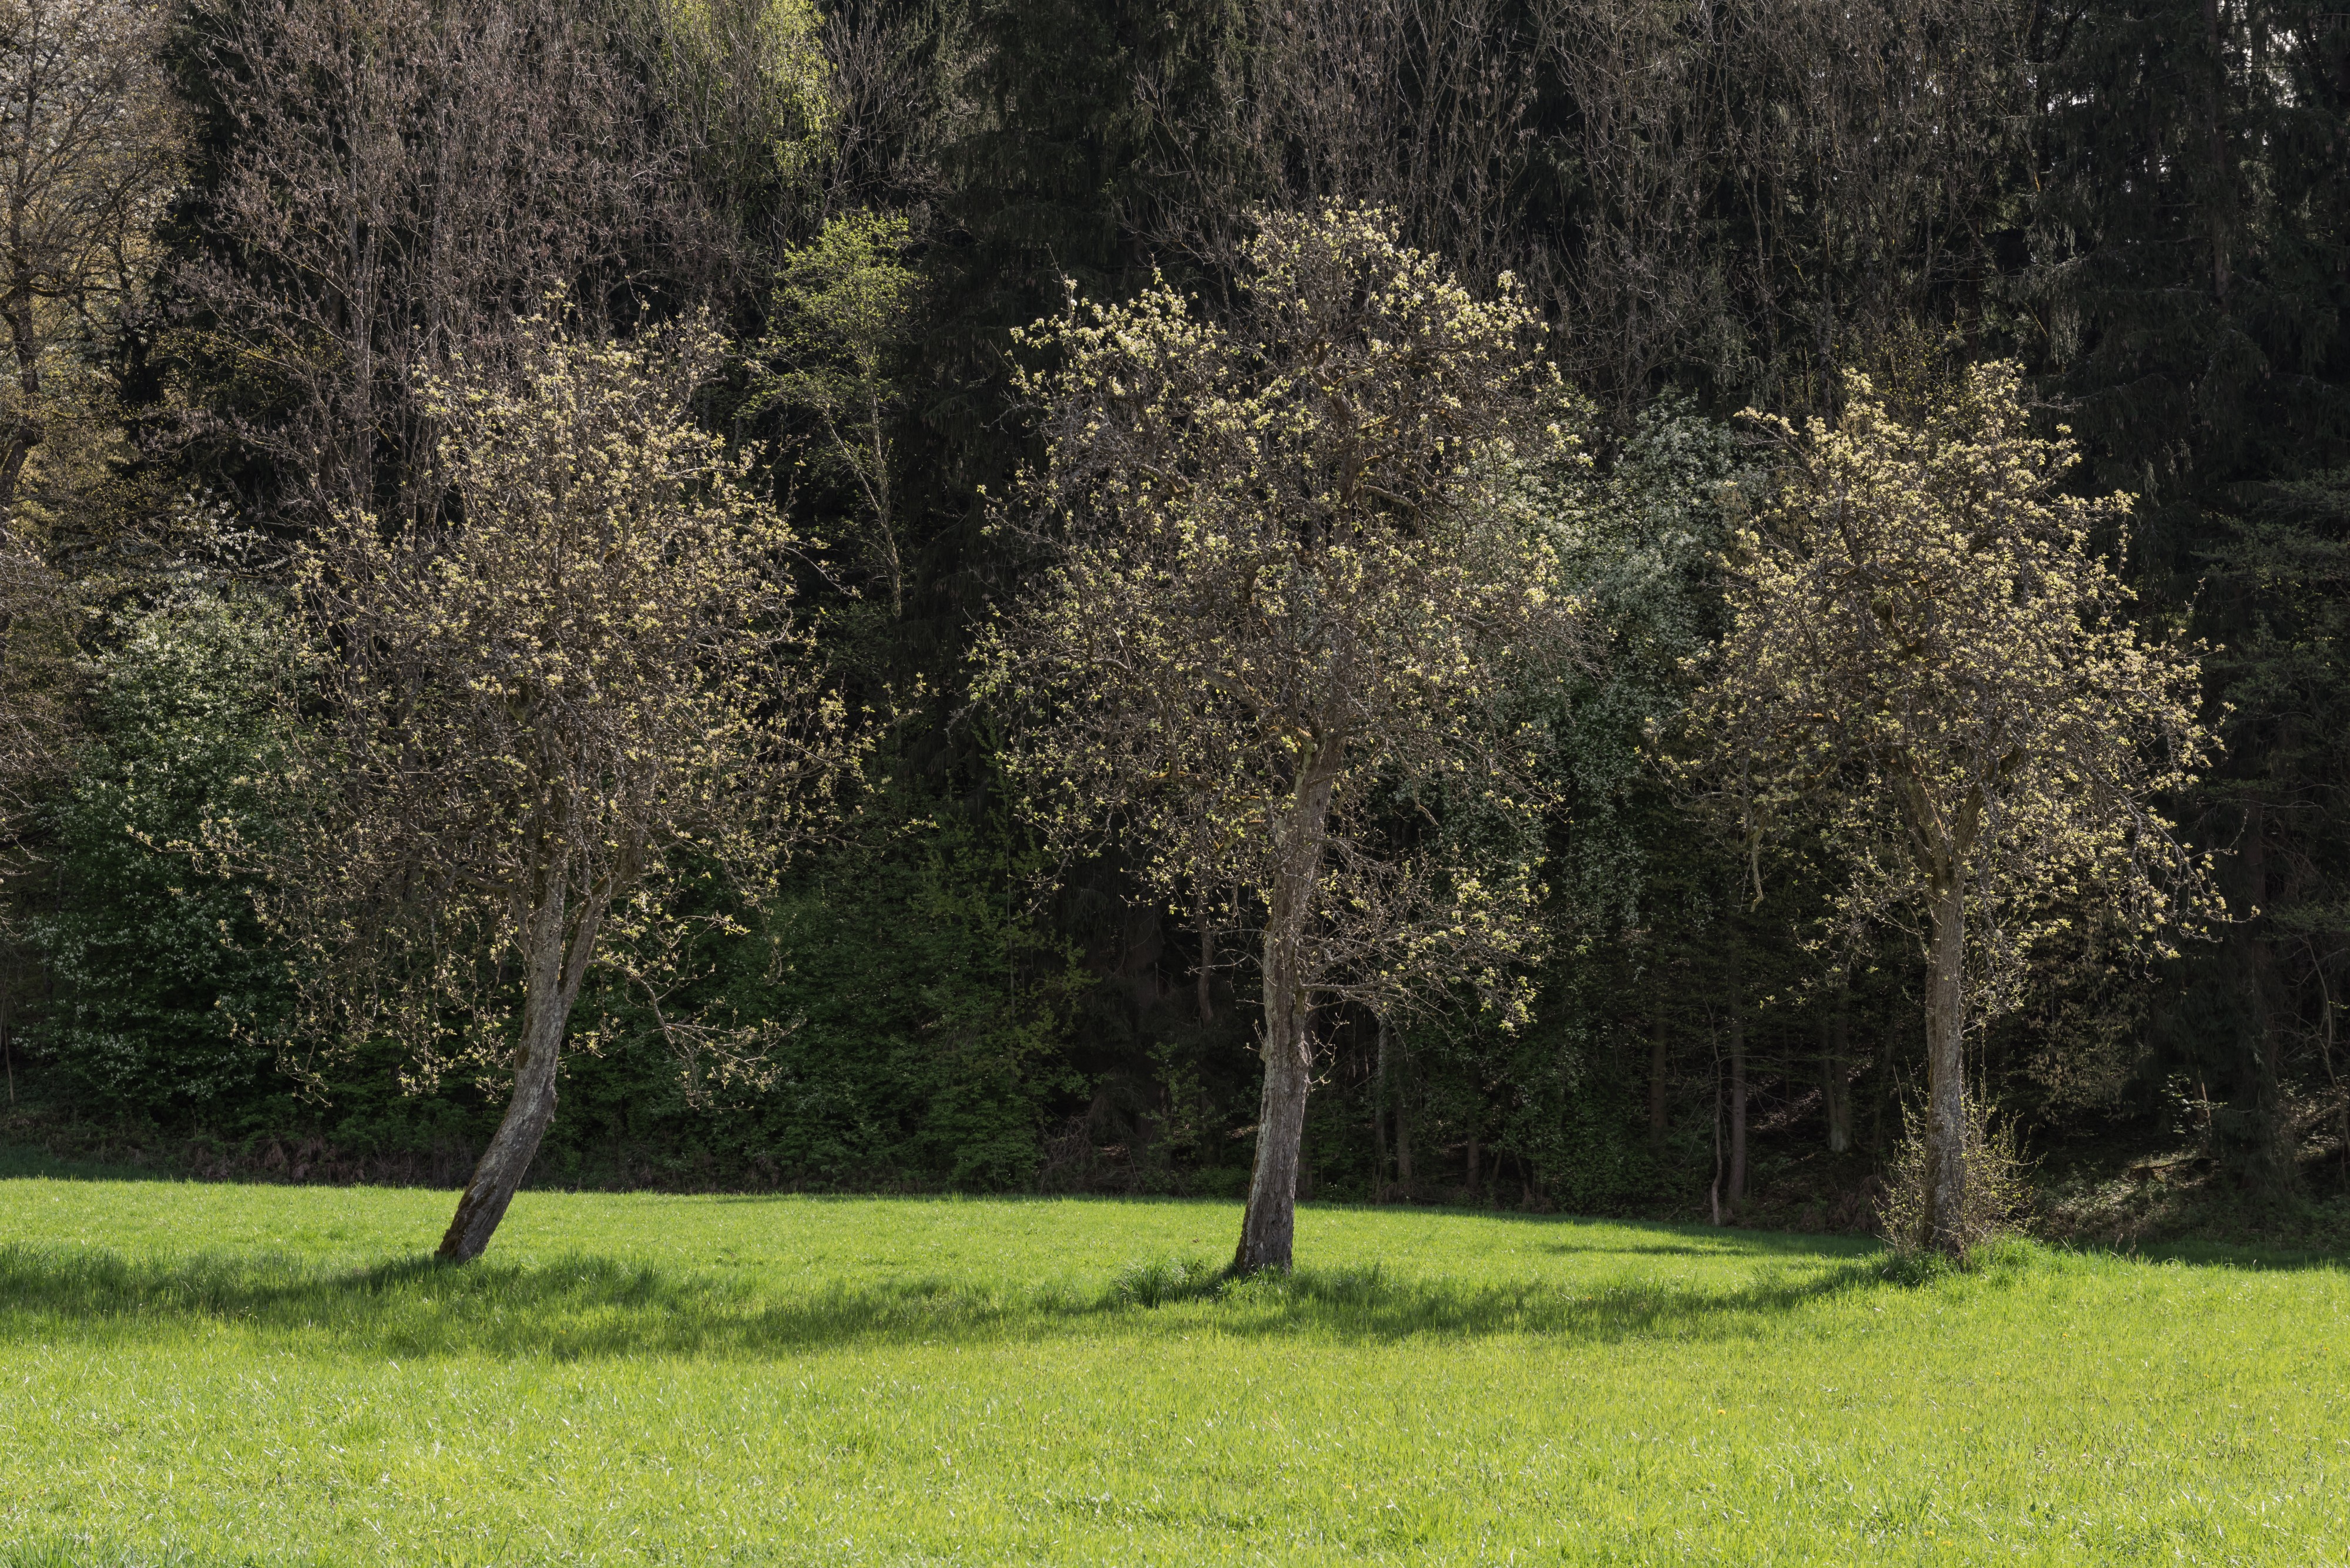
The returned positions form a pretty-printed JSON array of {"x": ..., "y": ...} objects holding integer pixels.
[{"x": 582, "y": 1305}]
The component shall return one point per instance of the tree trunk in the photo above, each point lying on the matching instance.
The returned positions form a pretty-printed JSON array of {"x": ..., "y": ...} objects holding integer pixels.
[
  {"x": 24, "y": 429},
  {"x": 1403, "y": 1123},
  {"x": 1879, "y": 1077},
  {"x": 1472, "y": 1161},
  {"x": 1269, "y": 1227},
  {"x": 1836, "y": 1062},
  {"x": 2258, "y": 1145},
  {"x": 1945, "y": 1103},
  {"x": 2325, "y": 1006},
  {"x": 550, "y": 986},
  {"x": 1207, "y": 932},
  {"x": 1737, "y": 1193},
  {"x": 1380, "y": 1116},
  {"x": 1713, "y": 1188},
  {"x": 1658, "y": 1060},
  {"x": 2219, "y": 212}
]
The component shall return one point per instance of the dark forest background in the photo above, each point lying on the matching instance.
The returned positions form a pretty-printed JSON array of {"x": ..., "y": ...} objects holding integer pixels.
[{"x": 1720, "y": 205}]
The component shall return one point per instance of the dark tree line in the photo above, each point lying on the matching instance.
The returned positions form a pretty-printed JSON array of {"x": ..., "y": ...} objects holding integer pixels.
[{"x": 330, "y": 202}]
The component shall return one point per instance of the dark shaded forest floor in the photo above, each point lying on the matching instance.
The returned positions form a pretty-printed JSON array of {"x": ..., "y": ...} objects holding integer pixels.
[{"x": 2120, "y": 1189}]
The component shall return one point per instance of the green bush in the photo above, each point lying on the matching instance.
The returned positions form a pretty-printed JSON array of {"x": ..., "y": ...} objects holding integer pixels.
[
  {"x": 164, "y": 988},
  {"x": 1999, "y": 1193}
]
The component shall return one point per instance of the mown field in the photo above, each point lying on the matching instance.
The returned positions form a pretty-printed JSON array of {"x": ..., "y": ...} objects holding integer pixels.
[{"x": 234, "y": 1374}]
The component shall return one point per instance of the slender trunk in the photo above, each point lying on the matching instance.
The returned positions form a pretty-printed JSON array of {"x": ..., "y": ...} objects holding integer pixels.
[
  {"x": 1305, "y": 1165},
  {"x": 884, "y": 508},
  {"x": 1836, "y": 1059},
  {"x": 557, "y": 964},
  {"x": 1208, "y": 963},
  {"x": 1737, "y": 1190},
  {"x": 25, "y": 429},
  {"x": 1737, "y": 1111},
  {"x": 2326, "y": 1005},
  {"x": 2262, "y": 1152},
  {"x": 2220, "y": 212},
  {"x": 1659, "y": 1059},
  {"x": 1269, "y": 1226},
  {"x": 1945, "y": 1103},
  {"x": 1880, "y": 1075},
  {"x": 1472, "y": 1160},
  {"x": 1403, "y": 1124},
  {"x": 1713, "y": 1189},
  {"x": 1380, "y": 1115},
  {"x": 359, "y": 323}
]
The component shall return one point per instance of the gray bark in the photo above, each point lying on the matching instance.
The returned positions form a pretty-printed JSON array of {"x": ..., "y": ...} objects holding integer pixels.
[
  {"x": 557, "y": 962},
  {"x": 1946, "y": 1104},
  {"x": 1269, "y": 1226},
  {"x": 1379, "y": 1113}
]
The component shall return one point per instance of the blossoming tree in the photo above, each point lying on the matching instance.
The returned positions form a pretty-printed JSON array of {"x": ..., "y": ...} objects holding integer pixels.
[
  {"x": 582, "y": 696},
  {"x": 1294, "y": 577},
  {"x": 1927, "y": 657}
]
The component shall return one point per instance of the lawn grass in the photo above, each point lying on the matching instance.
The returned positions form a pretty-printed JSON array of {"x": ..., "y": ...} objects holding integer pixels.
[{"x": 198, "y": 1374}]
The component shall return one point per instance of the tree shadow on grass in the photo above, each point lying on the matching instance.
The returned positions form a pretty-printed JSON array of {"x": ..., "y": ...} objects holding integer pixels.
[
  {"x": 1741, "y": 1250},
  {"x": 591, "y": 1306}
]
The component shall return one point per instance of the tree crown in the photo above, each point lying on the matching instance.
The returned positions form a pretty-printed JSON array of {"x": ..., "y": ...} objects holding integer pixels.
[
  {"x": 1297, "y": 571},
  {"x": 1929, "y": 662}
]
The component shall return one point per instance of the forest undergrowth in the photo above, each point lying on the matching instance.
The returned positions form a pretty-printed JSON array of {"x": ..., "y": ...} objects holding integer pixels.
[{"x": 2125, "y": 1191}]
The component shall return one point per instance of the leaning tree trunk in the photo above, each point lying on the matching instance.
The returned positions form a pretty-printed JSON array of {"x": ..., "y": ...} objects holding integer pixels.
[
  {"x": 557, "y": 961},
  {"x": 1946, "y": 1102},
  {"x": 1269, "y": 1227}
]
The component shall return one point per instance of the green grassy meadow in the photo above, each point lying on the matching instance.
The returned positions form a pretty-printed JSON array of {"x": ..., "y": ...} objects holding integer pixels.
[{"x": 203, "y": 1374}]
